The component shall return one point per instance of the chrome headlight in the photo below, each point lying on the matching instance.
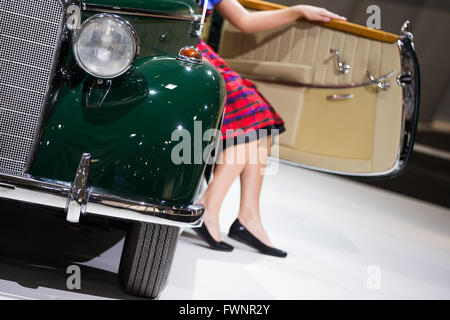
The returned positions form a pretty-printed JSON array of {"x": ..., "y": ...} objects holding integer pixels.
[{"x": 106, "y": 46}]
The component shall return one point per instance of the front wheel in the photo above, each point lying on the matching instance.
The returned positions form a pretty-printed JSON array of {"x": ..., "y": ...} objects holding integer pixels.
[{"x": 146, "y": 258}]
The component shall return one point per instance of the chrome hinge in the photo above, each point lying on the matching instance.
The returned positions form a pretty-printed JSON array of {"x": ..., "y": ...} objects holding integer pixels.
[
  {"x": 406, "y": 30},
  {"x": 404, "y": 79}
]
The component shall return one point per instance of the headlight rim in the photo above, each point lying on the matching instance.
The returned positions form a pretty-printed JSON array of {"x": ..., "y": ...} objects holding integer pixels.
[{"x": 117, "y": 19}]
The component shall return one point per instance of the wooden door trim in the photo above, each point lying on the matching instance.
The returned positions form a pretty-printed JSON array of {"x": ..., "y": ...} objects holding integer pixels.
[{"x": 344, "y": 26}]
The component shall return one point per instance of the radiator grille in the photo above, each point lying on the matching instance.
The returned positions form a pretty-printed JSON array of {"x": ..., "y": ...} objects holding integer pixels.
[{"x": 29, "y": 36}]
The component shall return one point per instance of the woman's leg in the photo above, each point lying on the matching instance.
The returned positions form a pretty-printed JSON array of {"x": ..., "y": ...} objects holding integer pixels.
[
  {"x": 228, "y": 168},
  {"x": 251, "y": 181}
]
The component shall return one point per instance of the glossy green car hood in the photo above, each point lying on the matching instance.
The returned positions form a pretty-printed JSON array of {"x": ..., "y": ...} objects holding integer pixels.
[{"x": 169, "y": 6}]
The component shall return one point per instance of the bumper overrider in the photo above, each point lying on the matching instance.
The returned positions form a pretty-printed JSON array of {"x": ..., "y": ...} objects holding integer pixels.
[{"x": 78, "y": 199}]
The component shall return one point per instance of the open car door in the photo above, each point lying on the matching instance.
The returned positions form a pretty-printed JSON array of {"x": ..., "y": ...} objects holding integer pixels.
[{"x": 349, "y": 95}]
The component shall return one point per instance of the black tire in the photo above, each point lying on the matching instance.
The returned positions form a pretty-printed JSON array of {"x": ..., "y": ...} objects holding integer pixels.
[{"x": 146, "y": 258}]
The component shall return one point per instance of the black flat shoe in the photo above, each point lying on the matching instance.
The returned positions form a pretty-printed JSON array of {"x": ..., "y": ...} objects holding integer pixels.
[
  {"x": 213, "y": 244},
  {"x": 239, "y": 233}
]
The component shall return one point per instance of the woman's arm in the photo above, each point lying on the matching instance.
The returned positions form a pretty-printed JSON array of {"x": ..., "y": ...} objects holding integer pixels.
[{"x": 251, "y": 22}]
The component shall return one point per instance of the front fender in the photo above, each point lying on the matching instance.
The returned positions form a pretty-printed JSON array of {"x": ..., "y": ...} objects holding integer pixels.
[{"x": 129, "y": 136}]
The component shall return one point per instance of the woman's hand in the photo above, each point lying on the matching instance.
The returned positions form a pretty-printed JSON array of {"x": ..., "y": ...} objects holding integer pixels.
[
  {"x": 251, "y": 22},
  {"x": 316, "y": 14}
]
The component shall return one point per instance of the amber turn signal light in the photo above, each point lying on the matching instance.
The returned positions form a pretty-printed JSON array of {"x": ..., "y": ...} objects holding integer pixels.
[{"x": 190, "y": 54}]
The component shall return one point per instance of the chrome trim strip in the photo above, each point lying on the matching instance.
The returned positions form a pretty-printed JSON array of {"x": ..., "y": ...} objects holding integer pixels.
[
  {"x": 389, "y": 172},
  {"x": 140, "y": 12},
  {"x": 411, "y": 96},
  {"x": 339, "y": 97},
  {"x": 128, "y": 209},
  {"x": 313, "y": 86},
  {"x": 52, "y": 194}
]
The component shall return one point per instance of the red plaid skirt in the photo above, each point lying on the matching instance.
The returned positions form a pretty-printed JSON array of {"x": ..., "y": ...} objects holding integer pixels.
[{"x": 246, "y": 108}]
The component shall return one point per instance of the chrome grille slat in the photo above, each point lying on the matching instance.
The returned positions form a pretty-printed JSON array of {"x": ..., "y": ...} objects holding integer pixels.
[
  {"x": 31, "y": 30},
  {"x": 29, "y": 37},
  {"x": 15, "y": 74},
  {"x": 40, "y": 9},
  {"x": 26, "y": 105},
  {"x": 19, "y": 125},
  {"x": 10, "y": 165},
  {"x": 14, "y": 148}
]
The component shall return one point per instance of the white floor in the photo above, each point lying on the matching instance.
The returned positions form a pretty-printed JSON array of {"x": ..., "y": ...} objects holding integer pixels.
[{"x": 344, "y": 239}]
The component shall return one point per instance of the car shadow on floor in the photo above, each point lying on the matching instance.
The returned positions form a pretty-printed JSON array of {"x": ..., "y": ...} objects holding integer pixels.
[{"x": 37, "y": 246}]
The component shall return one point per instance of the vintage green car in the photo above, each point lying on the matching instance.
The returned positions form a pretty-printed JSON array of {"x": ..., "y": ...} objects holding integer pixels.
[
  {"x": 96, "y": 94},
  {"x": 91, "y": 94}
]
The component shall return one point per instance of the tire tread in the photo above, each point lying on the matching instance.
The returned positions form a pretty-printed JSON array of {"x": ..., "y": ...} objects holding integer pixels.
[{"x": 146, "y": 258}]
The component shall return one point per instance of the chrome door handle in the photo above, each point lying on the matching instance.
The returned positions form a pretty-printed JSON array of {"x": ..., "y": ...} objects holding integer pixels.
[
  {"x": 381, "y": 82},
  {"x": 338, "y": 97}
]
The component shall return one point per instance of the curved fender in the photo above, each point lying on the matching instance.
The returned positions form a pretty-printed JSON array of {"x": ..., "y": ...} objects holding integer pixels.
[{"x": 130, "y": 135}]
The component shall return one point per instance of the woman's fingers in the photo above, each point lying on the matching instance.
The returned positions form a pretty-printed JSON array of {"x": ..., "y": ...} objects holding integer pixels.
[
  {"x": 319, "y": 14},
  {"x": 324, "y": 18},
  {"x": 331, "y": 15}
]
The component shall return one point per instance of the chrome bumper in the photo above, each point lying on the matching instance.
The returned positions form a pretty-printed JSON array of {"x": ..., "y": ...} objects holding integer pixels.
[{"x": 78, "y": 200}]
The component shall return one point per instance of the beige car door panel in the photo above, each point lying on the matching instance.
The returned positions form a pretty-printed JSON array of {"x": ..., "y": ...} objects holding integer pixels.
[{"x": 357, "y": 122}]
